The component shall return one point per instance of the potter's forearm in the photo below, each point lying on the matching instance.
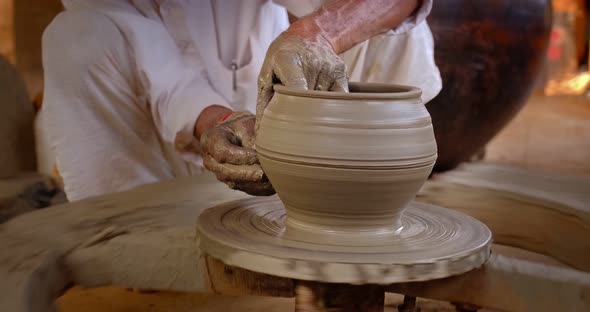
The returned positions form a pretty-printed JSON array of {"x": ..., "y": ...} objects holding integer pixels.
[
  {"x": 209, "y": 117},
  {"x": 344, "y": 23}
]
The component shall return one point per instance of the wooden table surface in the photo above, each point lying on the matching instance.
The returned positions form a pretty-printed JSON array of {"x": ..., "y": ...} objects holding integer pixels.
[{"x": 145, "y": 238}]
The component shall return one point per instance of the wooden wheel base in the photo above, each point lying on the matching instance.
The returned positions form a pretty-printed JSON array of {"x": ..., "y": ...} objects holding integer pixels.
[
  {"x": 320, "y": 297},
  {"x": 433, "y": 243}
]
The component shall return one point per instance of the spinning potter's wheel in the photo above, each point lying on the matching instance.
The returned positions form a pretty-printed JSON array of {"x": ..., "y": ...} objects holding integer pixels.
[
  {"x": 346, "y": 167},
  {"x": 433, "y": 242}
]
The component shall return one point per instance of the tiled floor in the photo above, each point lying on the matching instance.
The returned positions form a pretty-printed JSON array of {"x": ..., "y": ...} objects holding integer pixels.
[{"x": 550, "y": 134}]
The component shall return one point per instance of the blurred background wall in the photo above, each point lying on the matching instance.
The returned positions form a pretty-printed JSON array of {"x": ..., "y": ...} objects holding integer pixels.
[
  {"x": 544, "y": 127},
  {"x": 21, "y": 25}
]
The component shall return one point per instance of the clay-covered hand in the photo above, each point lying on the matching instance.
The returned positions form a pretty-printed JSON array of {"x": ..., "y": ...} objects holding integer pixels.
[
  {"x": 308, "y": 63},
  {"x": 228, "y": 151}
]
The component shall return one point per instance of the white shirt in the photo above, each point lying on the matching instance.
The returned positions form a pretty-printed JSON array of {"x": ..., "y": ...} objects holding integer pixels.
[{"x": 126, "y": 80}]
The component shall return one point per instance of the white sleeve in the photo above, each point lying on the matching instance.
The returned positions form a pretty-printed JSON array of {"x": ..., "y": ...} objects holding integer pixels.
[
  {"x": 403, "y": 55},
  {"x": 111, "y": 98},
  {"x": 99, "y": 130},
  {"x": 415, "y": 19},
  {"x": 301, "y": 8},
  {"x": 406, "y": 59},
  {"x": 176, "y": 91}
]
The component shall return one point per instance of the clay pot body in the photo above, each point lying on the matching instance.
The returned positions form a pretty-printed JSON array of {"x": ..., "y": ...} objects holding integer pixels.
[
  {"x": 346, "y": 162},
  {"x": 489, "y": 53}
]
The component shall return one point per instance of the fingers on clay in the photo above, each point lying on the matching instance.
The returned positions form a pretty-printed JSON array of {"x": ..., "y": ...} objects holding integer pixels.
[
  {"x": 223, "y": 145},
  {"x": 340, "y": 85},
  {"x": 234, "y": 173},
  {"x": 289, "y": 71},
  {"x": 265, "y": 93},
  {"x": 255, "y": 189},
  {"x": 325, "y": 79}
]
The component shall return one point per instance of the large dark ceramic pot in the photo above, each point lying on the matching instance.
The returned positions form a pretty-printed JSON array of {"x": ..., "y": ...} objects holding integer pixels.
[{"x": 489, "y": 53}]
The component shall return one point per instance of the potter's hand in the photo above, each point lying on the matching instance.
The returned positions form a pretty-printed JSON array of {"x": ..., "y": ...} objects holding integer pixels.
[
  {"x": 228, "y": 151},
  {"x": 305, "y": 55},
  {"x": 300, "y": 61}
]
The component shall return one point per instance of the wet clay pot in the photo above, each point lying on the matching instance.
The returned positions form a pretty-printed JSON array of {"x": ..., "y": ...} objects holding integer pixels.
[
  {"x": 489, "y": 53},
  {"x": 347, "y": 162}
]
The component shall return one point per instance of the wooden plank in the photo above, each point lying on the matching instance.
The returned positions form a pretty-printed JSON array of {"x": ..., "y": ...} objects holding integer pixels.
[
  {"x": 547, "y": 214},
  {"x": 235, "y": 281},
  {"x": 34, "y": 282},
  {"x": 141, "y": 238},
  {"x": 165, "y": 259},
  {"x": 539, "y": 187},
  {"x": 508, "y": 284}
]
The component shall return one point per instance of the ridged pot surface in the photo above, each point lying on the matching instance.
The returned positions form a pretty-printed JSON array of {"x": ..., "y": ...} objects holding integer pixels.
[{"x": 346, "y": 161}]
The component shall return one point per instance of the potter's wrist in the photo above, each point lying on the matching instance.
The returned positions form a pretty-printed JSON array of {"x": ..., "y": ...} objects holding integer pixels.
[
  {"x": 210, "y": 117},
  {"x": 345, "y": 23},
  {"x": 310, "y": 30}
]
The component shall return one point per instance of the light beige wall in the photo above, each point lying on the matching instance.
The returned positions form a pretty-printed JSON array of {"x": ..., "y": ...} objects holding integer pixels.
[
  {"x": 21, "y": 26},
  {"x": 31, "y": 17},
  {"x": 7, "y": 48}
]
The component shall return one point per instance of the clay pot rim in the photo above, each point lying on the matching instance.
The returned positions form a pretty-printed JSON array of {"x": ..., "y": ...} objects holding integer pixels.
[{"x": 358, "y": 90}]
